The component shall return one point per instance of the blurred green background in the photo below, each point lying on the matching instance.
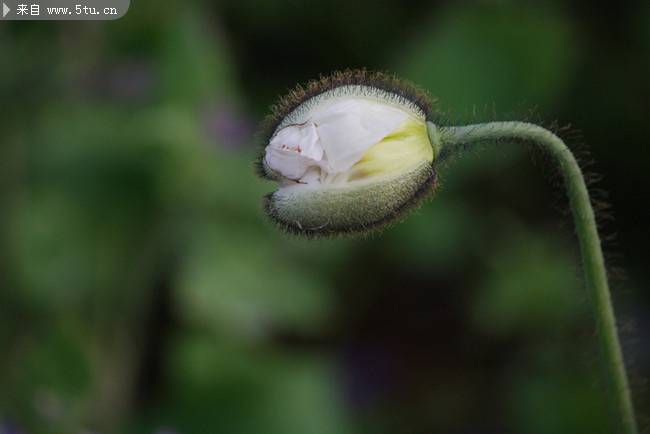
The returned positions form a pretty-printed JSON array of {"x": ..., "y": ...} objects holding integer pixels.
[{"x": 143, "y": 291}]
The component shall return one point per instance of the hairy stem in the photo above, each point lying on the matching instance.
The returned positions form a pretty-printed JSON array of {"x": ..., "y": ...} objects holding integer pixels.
[{"x": 452, "y": 138}]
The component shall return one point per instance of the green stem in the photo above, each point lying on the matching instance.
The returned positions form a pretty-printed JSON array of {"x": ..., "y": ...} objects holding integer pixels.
[{"x": 586, "y": 229}]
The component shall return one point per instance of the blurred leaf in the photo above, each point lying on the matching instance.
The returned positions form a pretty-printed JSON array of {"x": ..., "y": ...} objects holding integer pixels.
[
  {"x": 220, "y": 388},
  {"x": 548, "y": 395},
  {"x": 503, "y": 54},
  {"x": 46, "y": 379},
  {"x": 195, "y": 66},
  {"x": 531, "y": 285},
  {"x": 237, "y": 280}
]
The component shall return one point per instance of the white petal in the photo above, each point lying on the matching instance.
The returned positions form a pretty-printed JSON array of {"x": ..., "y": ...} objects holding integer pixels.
[
  {"x": 348, "y": 127},
  {"x": 293, "y": 150},
  {"x": 310, "y": 145},
  {"x": 311, "y": 176},
  {"x": 288, "y": 163}
]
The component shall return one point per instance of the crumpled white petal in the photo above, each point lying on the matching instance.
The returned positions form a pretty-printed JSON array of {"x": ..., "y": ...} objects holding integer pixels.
[
  {"x": 293, "y": 150},
  {"x": 333, "y": 139}
]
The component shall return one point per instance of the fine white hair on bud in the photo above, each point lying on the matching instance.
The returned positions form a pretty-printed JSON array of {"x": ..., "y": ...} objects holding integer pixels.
[{"x": 351, "y": 153}]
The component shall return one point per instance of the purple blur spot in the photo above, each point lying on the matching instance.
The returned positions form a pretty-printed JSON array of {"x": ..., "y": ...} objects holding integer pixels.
[{"x": 228, "y": 127}]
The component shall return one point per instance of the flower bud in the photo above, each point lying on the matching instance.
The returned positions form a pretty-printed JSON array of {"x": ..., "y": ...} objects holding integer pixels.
[{"x": 351, "y": 153}]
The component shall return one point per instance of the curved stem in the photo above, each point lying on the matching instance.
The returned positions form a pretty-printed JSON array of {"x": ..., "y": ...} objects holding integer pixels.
[{"x": 586, "y": 230}]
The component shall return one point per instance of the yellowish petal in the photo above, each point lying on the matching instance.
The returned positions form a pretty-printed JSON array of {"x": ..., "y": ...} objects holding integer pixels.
[{"x": 403, "y": 149}]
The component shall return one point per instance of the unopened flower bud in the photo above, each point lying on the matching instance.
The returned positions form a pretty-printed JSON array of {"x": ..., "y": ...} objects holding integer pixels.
[{"x": 351, "y": 153}]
